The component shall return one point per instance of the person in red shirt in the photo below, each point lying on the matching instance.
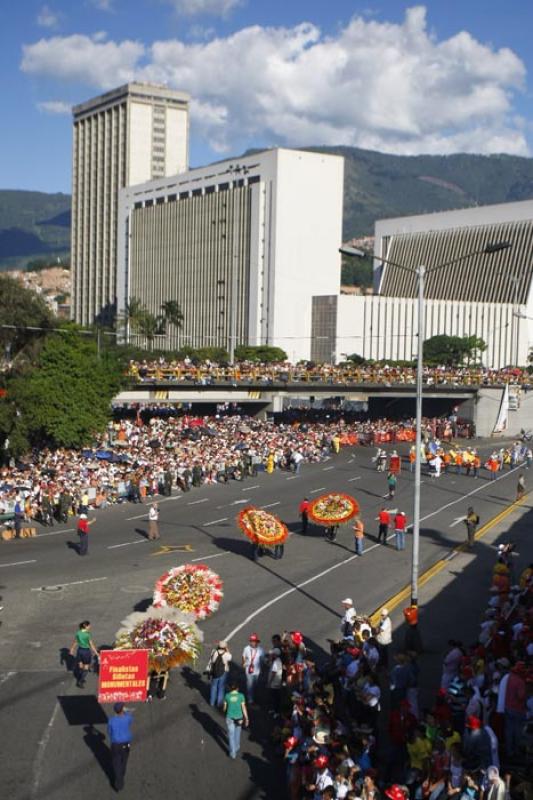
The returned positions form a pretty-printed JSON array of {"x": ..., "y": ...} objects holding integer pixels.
[
  {"x": 383, "y": 528},
  {"x": 304, "y": 514},
  {"x": 515, "y": 709},
  {"x": 83, "y": 533},
  {"x": 400, "y": 524}
]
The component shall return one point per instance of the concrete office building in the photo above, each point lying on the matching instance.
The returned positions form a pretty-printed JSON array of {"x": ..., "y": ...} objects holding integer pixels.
[
  {"x": 486, "y": 296},
  {"x": 128, "y": 135},
  {"x": 242, "y": 245}
]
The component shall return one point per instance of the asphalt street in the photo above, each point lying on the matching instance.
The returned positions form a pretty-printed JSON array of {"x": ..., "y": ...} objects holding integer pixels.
[{"x": 53, "y": 744}]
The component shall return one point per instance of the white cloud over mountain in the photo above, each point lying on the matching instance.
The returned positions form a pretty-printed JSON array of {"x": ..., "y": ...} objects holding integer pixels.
[{"x": 383, "y": 86}]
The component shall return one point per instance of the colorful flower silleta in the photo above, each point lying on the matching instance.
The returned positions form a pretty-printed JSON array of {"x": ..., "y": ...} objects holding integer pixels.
[
  {"x": 334, "y": 508},
  {"x": 172, "y": 638},
  {"x": 261, "y": 527},
  {"x": 192, "y": 588}
]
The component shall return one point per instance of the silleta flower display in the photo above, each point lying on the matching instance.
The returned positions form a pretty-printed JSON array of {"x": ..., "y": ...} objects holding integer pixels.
[
  {"x": 334, "y": 508},
  {"x": 261, "y": 527},
  {"x": 192, "y": 588},
  {"x": 171, "y": 637}
]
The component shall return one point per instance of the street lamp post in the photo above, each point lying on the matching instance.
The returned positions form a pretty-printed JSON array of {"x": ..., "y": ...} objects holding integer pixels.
[{"x": 422, "y": 272}]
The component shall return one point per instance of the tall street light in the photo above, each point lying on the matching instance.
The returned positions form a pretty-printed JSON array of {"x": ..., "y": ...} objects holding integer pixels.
[{"x": 421, "y": 272}]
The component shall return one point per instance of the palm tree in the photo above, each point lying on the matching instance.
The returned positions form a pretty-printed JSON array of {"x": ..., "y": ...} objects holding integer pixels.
[{"x": 172, "y": 313}]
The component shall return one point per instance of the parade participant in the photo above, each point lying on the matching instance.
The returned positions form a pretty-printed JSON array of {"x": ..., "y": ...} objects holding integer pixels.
[
  {"x": 520, "y": 487},
  {"x": 331, "y": 533},
  {"x": 383, "y": 527},
  {"x": 412, "y": 458},
  {"x": 395, "y": 463},
  {"x": 252, "y": 662},
  {"x": 359, "y": 535},
  {"x": 153, "y": 522},
  {"x": 85, "y": 649},
  {"x": 304, "y": 514},
  {"x": 391, "y": 484},
  {"x": 120, "y": 736},
  {"x": 400, "y": 524},
  {"x": 217, "y": 669},
  {"x": 471, "y": 521},
  {"x": 384, "y": 636},
  {"x": 83, "y": 533},
  {"x": 348, "y": 618},
  {"x": 236, "y": 717}
]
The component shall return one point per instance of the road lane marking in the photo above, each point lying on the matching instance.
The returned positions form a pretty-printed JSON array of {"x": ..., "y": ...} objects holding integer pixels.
[
  {"x": 18, "y": 563},
  {"x": 39, "y": 758},
  {"x": 354, "y": 479},
  {"x": 214, "y": 522},
  {"x": 165, "y": 549},
  {"x": 456, "y": 521},
  {"x": 314, "y": 491},
  {"x": 237, "y": 502},
  {"x": 271, "y": 505},
  {"x": 6, "y": 677},
  {"x": 249, "y": 488},
  {"x": 72, "y": 583},
  {"x": 291, "y": 477},
  {"x": 139, "y": 516},
  {"x": 325, "y": 469},
  {"x": 216, "y": 555},
  {"x": 55, "y": 533},
  {"x": 195, "y": 502},
  {"x": 125, "y": 544}
]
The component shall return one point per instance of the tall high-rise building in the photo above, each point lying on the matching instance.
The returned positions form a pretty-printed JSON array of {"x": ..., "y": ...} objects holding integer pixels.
[{"x": 129, "y": 135}]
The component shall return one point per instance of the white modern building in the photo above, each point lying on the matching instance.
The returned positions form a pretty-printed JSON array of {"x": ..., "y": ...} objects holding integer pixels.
[
  {"x": 488, "y": 296},
  {"x": 129, "y": 135},
  {"x": 242, "y": 245}
]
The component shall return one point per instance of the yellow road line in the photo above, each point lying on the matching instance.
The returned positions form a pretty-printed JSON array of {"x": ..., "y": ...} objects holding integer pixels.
[{"x": 394, "y": 601}]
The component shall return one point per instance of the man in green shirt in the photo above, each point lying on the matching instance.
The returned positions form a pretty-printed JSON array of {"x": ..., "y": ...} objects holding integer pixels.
[{"x": 236, "y": 717}]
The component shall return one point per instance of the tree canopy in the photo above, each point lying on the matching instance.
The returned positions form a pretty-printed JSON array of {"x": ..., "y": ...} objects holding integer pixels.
[
  {"x": 65, "y": 401},
  {"x": 452, "y": 351},
  {"x": 259, "y": 353},
  {"x": 23, "y": 309}
]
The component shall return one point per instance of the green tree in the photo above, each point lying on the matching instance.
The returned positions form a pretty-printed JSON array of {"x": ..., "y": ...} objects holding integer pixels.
[
  {"x": 260, "y": 353},
  {"x": 62, "y": 402},
  {"x": 144, "y": 323},
  {"x": 452, "y": 350},
  {"x": 23, "y": 309}
]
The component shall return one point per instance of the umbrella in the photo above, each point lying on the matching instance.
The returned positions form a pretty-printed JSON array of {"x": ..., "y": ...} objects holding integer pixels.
[
  {"x": 333, "y": 508},
  {"x": 261, "y": 527}
]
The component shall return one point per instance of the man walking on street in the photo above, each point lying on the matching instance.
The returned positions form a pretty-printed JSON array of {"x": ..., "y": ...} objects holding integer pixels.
[
  {"x": 383, "y": 528},
  {"x": 153, "y": 522},
  {"x": 400, "y": 524},
  {"x": 120, "y": 736},
  {"x": 252, "y": 661},
  {"x": 304, "y": 514},
  {"x": 359, "y": 535},
  {"x": 471, "y": 521},
  {"x": 83, "y": 533}
]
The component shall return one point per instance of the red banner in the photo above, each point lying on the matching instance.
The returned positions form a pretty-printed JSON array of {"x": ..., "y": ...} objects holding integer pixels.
[{"x": 123, "y": 676}]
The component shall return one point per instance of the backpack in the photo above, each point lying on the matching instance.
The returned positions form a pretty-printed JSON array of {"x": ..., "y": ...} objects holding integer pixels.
[{"x": 217, "y": 665}]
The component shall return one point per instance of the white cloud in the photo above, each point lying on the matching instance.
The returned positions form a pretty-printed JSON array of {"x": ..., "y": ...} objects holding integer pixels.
[
  {"x": 103, "y": 5},
  {"x": 54, "y": 107},
  {"x": 389, "y": 87},
  {"x": 213, "y": 8},
  {"x": 47, "y": 18},
  {"x": 82, "y": 58}
]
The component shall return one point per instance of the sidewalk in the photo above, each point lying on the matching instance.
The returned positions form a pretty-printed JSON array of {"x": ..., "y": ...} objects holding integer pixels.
[{"x": 453, "y": 601}]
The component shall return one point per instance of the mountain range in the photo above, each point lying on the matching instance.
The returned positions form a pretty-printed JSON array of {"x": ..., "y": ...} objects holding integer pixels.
[{"x": 36, "y": 225}]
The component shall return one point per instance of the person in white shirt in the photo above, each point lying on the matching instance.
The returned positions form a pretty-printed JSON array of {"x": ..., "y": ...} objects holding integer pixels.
[
  {"x": 153, "y": 522},
  {"x": 384, "y": 636},
  {"x": 348, "y": 619},
  {"x": 275, "y": 680},
  {"x": 252, "y": 660}
]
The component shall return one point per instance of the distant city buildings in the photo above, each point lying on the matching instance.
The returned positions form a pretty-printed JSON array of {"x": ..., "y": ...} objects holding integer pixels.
[
  {"x": 52, "y": 284},
  {"x": 129, "y": 135}
]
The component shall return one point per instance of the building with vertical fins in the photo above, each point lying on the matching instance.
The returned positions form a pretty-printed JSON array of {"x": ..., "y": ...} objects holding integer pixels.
[{"x": 132, "y": 134}]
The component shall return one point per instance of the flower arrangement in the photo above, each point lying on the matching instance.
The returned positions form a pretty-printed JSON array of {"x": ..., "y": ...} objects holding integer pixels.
[
  {"x": 334, "y": 508},
  {"x": 171, "y": 637},
  {"x": 261, "y": 527},
  {"x": 192, "y": 588}
]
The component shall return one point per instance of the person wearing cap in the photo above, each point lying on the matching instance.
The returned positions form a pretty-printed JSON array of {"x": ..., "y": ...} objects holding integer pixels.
[
  {"x": 217, "y": 669},
  {"x": 477, "y": 749},
  {"x": 471, "y": 521},
  {"x": 120, "y": 736},
  {"x": 348, "y": 618},
  {"x": 400, "y": 524},
  {"x": 384, "y": 636},
  {"x": 252, "y": 661},
  {"x": 83, "y": 533},
  {"x": 497, "y": 788},
  {"x": 304, "y": 514},
  {"x": 322, "y": 779}
]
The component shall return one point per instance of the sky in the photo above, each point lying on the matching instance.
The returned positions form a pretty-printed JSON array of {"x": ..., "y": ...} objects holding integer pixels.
[{"x": 441, "y": 77}]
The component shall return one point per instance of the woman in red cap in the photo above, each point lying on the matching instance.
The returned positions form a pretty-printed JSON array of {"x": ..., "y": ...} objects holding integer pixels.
[{"x": 252, "y": 661}]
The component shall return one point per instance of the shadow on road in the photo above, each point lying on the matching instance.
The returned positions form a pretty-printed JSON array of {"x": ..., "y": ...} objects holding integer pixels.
[
  {"x": 95, "y": 741},
  {"x": 210, "y": 726},
  {"x": 82, "y": 710}
]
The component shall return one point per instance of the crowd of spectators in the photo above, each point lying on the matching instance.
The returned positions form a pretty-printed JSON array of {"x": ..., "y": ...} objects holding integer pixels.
[
  {"x": 353, "y": 727},
  {"x": 248, "y": 372},
  {"x": 135, "y": 460}
]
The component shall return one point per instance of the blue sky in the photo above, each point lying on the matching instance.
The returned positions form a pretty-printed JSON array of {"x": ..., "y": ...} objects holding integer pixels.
[{"x": 440, "y": 77}]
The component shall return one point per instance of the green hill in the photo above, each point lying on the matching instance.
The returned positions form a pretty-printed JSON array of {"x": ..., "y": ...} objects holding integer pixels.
[
  {"x": 33, "y": 225},
  {"x": 377, "y": 185}
]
